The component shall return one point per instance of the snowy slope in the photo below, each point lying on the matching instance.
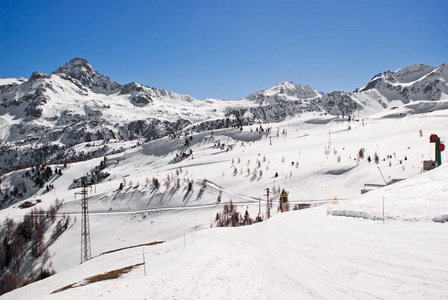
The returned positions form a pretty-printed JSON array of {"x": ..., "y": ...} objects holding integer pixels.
[
  {"x": 340, "y": 248},
  {"x": 310, "y": 254},
  {"x": 422, "y": 198},
  {"x": 302, "y": 254}
]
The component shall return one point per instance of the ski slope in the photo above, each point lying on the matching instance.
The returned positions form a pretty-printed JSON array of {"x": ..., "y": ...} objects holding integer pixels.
[
  {"x": 339, "y": 249},
  {"x": 298, "y": 255}
]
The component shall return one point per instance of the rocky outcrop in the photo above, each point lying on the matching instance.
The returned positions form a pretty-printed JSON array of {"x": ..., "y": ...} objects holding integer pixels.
[{"x": 79, "y": 69}]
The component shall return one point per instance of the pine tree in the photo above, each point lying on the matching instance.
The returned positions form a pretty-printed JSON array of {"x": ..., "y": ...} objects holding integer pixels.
[
  {"x": 376, "y": 158},
  {"x": 361, "y": 153}
]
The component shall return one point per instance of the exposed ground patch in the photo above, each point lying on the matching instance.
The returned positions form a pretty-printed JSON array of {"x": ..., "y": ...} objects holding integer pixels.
[{"x": 100, "y": 277}]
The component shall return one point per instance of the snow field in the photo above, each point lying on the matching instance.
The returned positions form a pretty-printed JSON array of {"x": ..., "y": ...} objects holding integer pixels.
[{"x": 303, "y": 254}]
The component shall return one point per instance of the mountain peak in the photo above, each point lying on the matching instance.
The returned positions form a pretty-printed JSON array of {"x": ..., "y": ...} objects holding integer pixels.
[
  {"x": 76, "y": 68},
  {"x": 285, "y": 90},
  {"x": 80, "y": 69},
  {"x": 288, "y": 84},
  {"x": 412, "y": 73}
]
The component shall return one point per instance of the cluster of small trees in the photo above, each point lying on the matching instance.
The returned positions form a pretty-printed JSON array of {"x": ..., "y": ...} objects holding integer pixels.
[
  {"x": 22, "y": 243},
  {"x": 361, "y": 154},
  {"x": 254, "y": 171},
  {"x": 172, "y": 181},
  {"x": 40, "y": 175},
  {"x": 95, "y": 175},
  {"x": 229, "y": 217},
  {"x": 36, "y": 176},
  {"x": 19, "y": 157},
  {"x": 77, "y": 156},
  {"x": 376, "y": 158},
  {"x": 260, "y": 130}
]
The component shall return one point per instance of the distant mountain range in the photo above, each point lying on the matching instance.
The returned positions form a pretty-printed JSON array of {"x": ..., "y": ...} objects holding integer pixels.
[{"x": 44, "y": 118}]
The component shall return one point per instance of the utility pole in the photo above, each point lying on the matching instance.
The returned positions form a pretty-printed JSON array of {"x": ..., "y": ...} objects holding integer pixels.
[
  {"x": 144, "y": 261},
  {"x": 85, "y": 226},
  {"x": 268, "y": 205}
]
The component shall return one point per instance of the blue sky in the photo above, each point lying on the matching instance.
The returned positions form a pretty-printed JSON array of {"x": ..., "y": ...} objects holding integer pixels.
[{"x": 224, "y": 49}]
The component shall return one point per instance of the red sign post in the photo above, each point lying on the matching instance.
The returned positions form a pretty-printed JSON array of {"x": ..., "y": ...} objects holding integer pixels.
[{"x": 434, "y": 138}]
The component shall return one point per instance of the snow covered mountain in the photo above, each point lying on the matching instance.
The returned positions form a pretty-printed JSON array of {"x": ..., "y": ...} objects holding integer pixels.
[
  {"x": 82, "y": 71},
  {"x": 163, "y": 165},
  {"x": 417, "y": 82},
  {"x": 47, "y": 114},
  {"x": 411, "y": 84},
  {"x": 283, "y": 92},
  {"x": 42, "y": 119}
]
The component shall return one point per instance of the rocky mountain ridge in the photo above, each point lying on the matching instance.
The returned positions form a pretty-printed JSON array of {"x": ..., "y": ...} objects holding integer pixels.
[
  {"x": 47, "y": 117},
  {"x": 284, "y": 91},
  {"x": 417, "y": 82}
]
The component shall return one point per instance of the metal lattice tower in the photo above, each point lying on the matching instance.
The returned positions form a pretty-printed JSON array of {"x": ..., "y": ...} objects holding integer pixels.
[{"x": 85, "y": 226}]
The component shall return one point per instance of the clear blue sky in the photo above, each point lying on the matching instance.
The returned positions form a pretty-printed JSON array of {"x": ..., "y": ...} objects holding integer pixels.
[{"x": 224, "y": 49}]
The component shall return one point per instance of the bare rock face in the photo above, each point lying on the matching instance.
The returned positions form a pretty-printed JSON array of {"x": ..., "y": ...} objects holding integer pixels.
[
  {"x": 139, "y": 95},
  {"x": 82, "y": 71}
]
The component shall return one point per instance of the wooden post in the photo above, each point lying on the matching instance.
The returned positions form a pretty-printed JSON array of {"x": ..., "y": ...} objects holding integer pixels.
[{"x": 144, "y": 262}]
